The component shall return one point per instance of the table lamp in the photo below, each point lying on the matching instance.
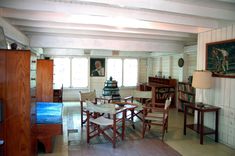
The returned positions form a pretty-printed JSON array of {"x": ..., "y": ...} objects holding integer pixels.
[{"x": 202, "y": 80}]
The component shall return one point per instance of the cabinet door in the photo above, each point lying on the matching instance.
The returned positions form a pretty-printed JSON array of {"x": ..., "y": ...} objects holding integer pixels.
[
  {"x": 17, "y": 104},
  {"x": 2, "y": 88},
  {"x": 44, "y": 81}
]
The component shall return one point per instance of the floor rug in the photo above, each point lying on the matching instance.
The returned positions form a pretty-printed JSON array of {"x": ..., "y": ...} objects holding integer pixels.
[{"x": 133, "y": 144}]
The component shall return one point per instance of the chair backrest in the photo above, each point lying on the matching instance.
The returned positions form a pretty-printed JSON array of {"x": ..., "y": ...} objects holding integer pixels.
[
  {"x": 104, "y": 108},
  {"x": 88, "y": 96},
  {"x": 142, "y": 94},
  {"x": 167, "y": 103}
]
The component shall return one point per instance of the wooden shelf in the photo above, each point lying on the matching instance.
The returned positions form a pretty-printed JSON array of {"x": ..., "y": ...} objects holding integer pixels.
[
  {"x": 197, "y": 128},
  {"x": 185, "y": 101},
  {"x": 169, "y": 82},
  {"x": 161, "y": 89},
  {"x": 186, "y": 94}
]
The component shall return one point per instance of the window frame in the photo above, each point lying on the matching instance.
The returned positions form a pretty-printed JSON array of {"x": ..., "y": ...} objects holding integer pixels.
[
  {"x": 122, "y": 59},
  {"x": 54, "y": 70},
  {"x": 88, "y": 74},
  {"x": 137, "y": 74},
  {"x": 70, "y": 72}
]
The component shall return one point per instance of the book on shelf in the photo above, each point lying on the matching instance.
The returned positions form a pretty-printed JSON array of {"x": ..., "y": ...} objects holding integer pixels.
[{"x": 186, "y": 94}]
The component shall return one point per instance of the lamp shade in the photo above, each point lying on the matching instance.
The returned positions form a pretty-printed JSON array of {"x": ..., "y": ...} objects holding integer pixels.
[{"x": 202, "y": 79}]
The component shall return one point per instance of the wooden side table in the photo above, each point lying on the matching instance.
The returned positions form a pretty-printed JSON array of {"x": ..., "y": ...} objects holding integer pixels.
[{"x": 199, "y": 127}]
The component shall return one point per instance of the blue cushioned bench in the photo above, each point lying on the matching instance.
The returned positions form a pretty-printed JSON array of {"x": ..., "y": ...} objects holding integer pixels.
[
  {"x": 48, "y": 123},
  {"x": 49, "y": 113}
]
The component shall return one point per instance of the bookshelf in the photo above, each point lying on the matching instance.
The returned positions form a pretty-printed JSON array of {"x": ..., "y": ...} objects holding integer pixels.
[
  {"x": 186, "y": 94},
  {"x": 161, "y": 89}
]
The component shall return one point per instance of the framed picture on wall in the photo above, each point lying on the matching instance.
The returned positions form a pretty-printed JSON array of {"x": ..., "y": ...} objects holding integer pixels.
[
  {"x": 220, "y": 58},
  {"x": 3, "y": 43},
  {"x": 97, "y": 67}
]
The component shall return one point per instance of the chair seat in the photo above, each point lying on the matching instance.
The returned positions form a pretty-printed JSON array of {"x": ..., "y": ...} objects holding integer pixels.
[
  {"x": 154, "y": 120},
  {"x": 101, "y": 124},
  {"x": 102, "y": 121},
  {"x": 98, "y": 103},
  {"x": 157, "y": 116}
]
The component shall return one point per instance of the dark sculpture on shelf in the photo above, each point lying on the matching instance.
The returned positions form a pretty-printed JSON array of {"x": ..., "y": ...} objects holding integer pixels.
[{"x": 13, "y": 46}]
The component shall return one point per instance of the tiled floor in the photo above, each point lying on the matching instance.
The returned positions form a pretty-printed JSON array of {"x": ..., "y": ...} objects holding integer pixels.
[{"x": 186, "y": 145}]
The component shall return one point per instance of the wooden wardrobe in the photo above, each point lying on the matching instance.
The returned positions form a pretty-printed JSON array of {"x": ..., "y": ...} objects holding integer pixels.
[
  {"x": 44, "y": 80},
  {"x": 15, "y": 129}
]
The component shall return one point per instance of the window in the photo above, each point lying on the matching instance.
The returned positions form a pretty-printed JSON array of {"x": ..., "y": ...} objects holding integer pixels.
[
  {"x": 130, "y": 71},
  {"x": 79, "y": 72},
  {"x": 125, "y": 71},
  {"x": 71, "y": 72},
  {"x": 62, "y": 72},
  {"x": 114, "y": 69}
]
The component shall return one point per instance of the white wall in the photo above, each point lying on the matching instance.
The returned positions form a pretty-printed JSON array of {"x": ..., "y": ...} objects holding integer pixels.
[
  {"x": 192, "y": 63},
  {"x": 169, "y": 65},
  {"x": 97, "y": 83},
  {"x": 175, "y": 69},
  {"x": 222, "y": 92},
  {"x": 156, "y": 65},
  {"x": 166, "y": 65},
  {"x": 143, "y": 70}
]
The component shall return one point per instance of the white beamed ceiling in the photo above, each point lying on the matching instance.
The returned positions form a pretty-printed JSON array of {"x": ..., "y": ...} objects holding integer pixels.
[{"x": 125, "y": 25}]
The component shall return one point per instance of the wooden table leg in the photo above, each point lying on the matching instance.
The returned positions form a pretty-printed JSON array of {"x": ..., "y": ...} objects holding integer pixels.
[
  {"x": 132, "y": 118},
  {"x": 216, "y": 125},
  {"x": 123, "y": 124},
  {"x": 202, "y": 127},
  {"x": 185, "y": 119},
  {"x": 198, "y": 121}
]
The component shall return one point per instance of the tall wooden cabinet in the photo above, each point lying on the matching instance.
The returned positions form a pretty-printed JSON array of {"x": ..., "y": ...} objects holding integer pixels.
[
  {"x": 44, "y": 81},
  {"x": 15, "y": 129}
]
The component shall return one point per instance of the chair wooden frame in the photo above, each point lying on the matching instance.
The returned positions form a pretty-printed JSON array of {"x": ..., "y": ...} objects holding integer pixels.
[
  {"x": 144, "y": 97},
  {"x": 94, "y": 129},
  {"x": 91, "y": 96},
  {"x": 156, "y": 116}
]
